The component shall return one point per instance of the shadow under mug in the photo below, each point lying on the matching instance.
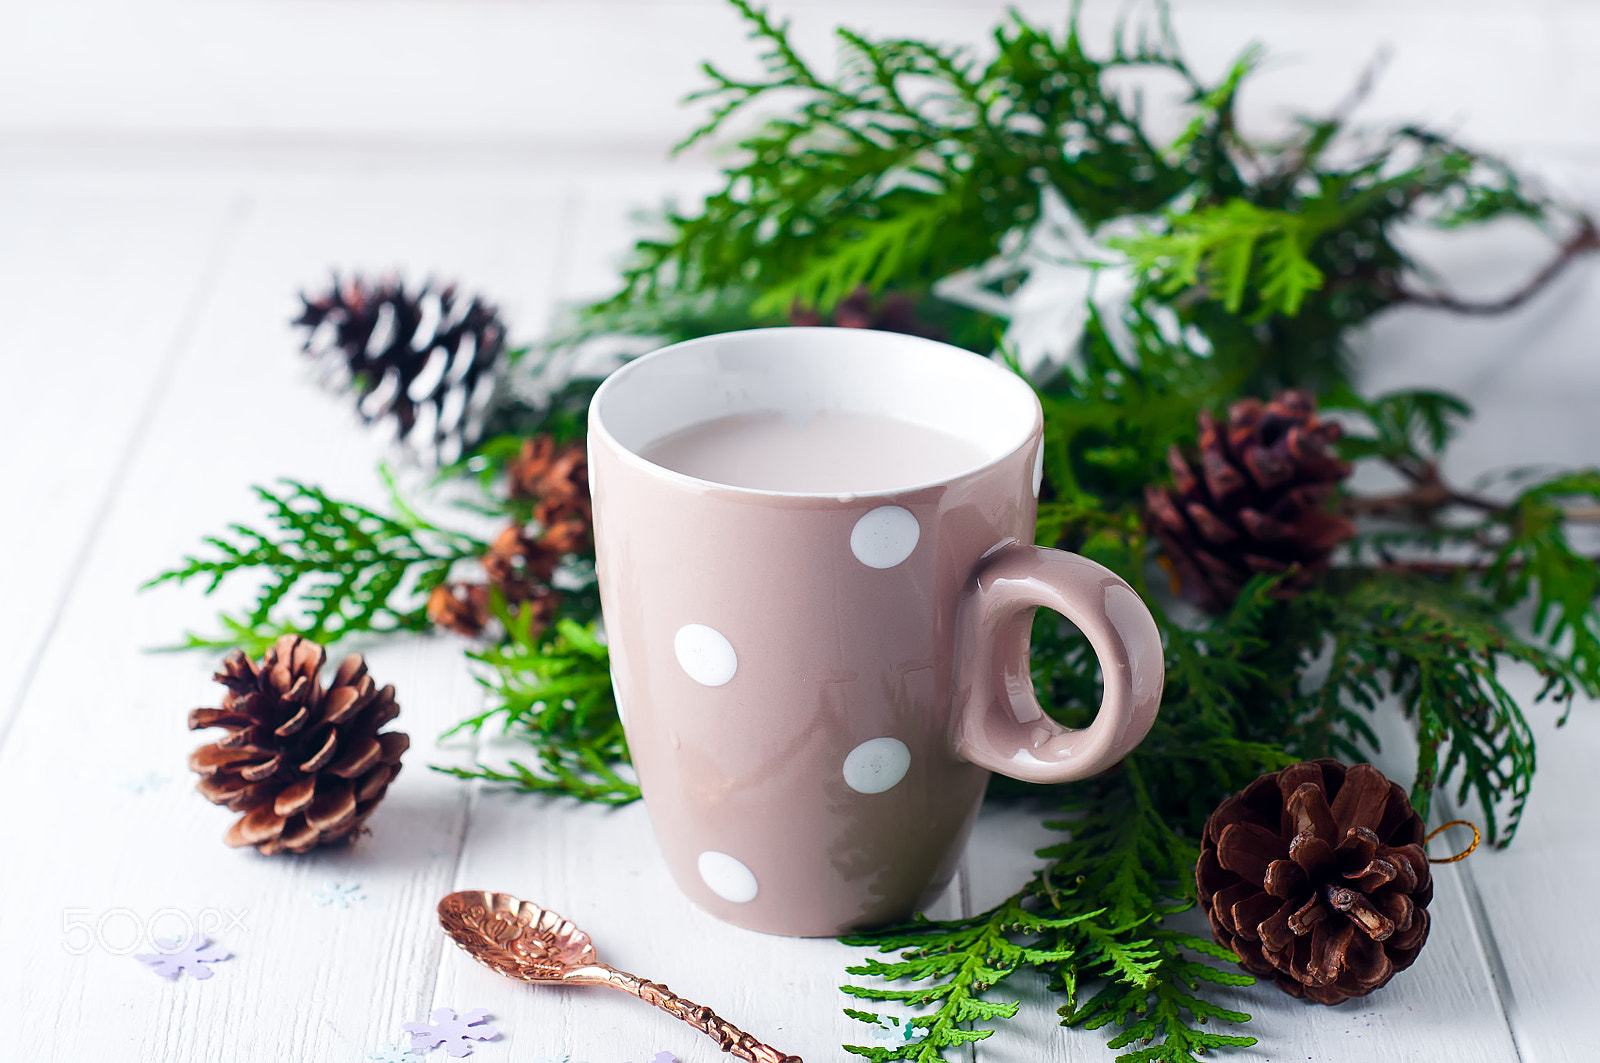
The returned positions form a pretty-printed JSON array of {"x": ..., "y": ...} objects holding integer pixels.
[{"x": 816, "y": 686}]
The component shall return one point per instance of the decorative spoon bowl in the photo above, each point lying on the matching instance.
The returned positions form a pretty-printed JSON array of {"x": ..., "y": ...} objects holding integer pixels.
[{"x": 524, "y": 941}]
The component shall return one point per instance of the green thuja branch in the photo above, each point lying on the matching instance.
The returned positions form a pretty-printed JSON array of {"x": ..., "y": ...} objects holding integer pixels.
[
  {"x": 331, "y": 569},
  {"x": 1092, "y": 916},
  {"x": 1537, "y": 562},
  {"x": 552, "y": 690},
  {"x": 912, "y": 162},
  {"x": 1222, "y": 249}
]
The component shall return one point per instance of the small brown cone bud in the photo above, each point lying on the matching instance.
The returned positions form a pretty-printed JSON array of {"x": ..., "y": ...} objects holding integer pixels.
[{"x": 459, "y": 607}]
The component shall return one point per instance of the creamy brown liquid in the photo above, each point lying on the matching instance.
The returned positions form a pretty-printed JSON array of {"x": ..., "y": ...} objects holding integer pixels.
[{"x": 834, "y": 451}]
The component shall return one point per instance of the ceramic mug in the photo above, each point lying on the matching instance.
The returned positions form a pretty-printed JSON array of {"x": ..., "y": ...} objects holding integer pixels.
[{"x": 814, "y": 686}]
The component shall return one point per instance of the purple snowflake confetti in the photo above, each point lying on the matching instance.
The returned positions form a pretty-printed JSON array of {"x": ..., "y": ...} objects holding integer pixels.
[
  {"x": 174, "y": 959},
  {"x": 444, "y": 1027}
]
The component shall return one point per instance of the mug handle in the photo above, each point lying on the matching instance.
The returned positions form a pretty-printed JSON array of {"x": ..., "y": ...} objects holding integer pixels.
[{"x": 998, "y": 722}]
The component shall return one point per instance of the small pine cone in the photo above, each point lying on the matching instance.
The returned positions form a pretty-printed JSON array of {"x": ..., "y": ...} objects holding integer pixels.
[
  {"x": 895, "y": 312},
  {"x": 1316, "y": 876},
  {"x": 1258, "y": 503},
  {"x": 555, "y": 478},
  {"x": 419, "y": 357},
  {"x": 460, "y": 607},
  {"x": 305, "y": 765},
  {"x": 520, "y": 565}
]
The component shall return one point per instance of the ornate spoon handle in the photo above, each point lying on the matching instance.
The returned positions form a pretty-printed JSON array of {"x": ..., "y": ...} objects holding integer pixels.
[{"x": 728, "y": 1036}]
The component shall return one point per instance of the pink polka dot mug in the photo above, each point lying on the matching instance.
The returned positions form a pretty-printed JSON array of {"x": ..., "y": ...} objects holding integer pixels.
[{"x": 816, "y": 570}]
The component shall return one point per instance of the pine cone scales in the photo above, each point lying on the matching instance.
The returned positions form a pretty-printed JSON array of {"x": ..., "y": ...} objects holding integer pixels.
[
  {"x": 893, "y": 312},
  {"x": 1256, "y": 503},
  {"x": 555, "y": 478},
  {"x": 305, "y": 765},
  {"x": 1316, "y": 877}
]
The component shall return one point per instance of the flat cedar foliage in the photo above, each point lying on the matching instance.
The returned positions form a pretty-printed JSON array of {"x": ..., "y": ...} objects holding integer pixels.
[{"x": 1252, "y": 262}]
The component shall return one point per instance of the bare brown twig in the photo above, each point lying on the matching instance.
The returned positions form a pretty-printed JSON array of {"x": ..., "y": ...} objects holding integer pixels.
[
  {"x": 1585, "y": 241},
  {"x": 1425, "y": 499}
]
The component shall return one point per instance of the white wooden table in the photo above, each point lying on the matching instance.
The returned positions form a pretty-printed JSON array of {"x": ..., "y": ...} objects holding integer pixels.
[{"x": 145, "y": 285}]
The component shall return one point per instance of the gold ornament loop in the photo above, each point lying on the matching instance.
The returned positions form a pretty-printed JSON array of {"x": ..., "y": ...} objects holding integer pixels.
[{"x": 1440, "y": 829}]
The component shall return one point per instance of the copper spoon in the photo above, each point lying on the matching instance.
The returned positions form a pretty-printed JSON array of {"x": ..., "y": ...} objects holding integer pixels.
[{"x": 522, "y": 940}]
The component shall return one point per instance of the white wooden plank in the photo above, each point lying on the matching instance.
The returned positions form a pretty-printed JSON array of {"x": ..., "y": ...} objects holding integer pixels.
[
  {"x": 611, "y": 72},
  {"x": 305, "y": 983},
  {"x": 99, "y": 284},
  {"x": 1532, "y": 896}
]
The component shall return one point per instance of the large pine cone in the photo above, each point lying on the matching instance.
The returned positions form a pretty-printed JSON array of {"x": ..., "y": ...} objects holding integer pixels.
[
  {"x": 1316, "y": 876},
  {"x": 1258, "y": 502},
  {"x": 422, "y": 358},
  {"x": 305, "y": 765}
]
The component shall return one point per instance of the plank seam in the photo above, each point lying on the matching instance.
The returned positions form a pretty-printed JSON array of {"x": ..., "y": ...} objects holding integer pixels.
[
  {"x": 470, "y": 800},
  {"x": 211, "y": 270},
  {"x": 1483, "y": 934}
]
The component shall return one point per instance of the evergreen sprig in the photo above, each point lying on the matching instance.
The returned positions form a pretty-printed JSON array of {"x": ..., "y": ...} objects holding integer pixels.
[
  {"x": 331, "y": 568},
  {"x": 1439, "y": 651},
  {"x": 553, "y": 692},
  {"x": 912, "y": 162}
]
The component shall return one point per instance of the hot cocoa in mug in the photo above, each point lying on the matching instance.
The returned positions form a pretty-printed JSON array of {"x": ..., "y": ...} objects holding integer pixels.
[{"x": 818, "y": 580}]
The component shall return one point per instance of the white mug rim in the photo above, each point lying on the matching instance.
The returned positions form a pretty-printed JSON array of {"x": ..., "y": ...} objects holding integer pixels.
[{"x": 1003, "y": 377}]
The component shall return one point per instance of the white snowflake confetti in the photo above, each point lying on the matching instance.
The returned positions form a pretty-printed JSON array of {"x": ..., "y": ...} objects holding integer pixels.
[
  {"x": 896, "y": 1034},
  {"x": 145, "y": 782},
  {"x": 338, "y": 895},
  {"x": 394, "y": 1054}
]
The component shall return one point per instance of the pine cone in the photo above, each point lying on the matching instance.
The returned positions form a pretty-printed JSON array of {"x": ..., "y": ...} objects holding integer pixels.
[
  {"x": 460, "y": 607},
  {"x": 555, "y": 479},
  {"x": 1315, "y": 875},
  {"x": 895, "y": 312},
  {"x": 387, "y": 343},
  {"x": 521, "y": 565},
  {"x": 304, "y": 765},
  {"x": 1257, "y": 504}
]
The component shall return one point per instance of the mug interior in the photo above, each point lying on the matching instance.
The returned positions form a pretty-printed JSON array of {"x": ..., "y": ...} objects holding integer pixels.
[{"x": 799, "y": 372}]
